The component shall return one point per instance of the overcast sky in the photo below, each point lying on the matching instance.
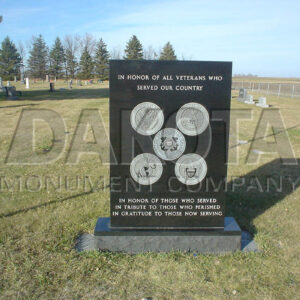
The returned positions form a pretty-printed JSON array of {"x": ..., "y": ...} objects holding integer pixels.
[{"x": 259, "y": 37}]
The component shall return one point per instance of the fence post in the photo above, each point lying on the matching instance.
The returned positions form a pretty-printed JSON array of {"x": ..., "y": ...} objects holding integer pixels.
[
  {"x": 293, "y": 90},
  {"x": 279, "y": 88},
  {"x": 268, "y": 88}
]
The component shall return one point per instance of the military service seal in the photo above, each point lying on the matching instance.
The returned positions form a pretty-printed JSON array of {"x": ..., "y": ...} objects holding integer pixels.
[
  {"x": 147, "y": 118},
  {"x": 146, "y": 168},
  {"x": 169, "y": 144},
  {"x": 190, "y": 169},
  {"x": 192, "y": 119}
]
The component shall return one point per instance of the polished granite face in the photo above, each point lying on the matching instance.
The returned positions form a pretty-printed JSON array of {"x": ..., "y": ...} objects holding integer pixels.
[{"x": 169, "y": 123}]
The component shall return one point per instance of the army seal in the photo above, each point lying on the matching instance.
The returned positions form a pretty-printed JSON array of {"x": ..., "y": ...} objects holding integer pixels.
[
  {"x": 169, "y": 144},
  {"x": 192, "y": 119},
  {"x": 146, "y": 168},
  {"x": 146, "y": 118},
  {"x": 190, "y": 169}
]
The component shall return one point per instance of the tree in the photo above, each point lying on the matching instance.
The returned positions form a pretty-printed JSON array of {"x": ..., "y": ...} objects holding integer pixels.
[
  {"x": 134, "y": 49},
  {"x": 101, "y": 60},
  {"x": 86, "y": 64},
  {"x": 150, "y": 53},
  {"x": 167, "y": 52},
  {"x": 71, "y": 45},
  {"x": 57, "y": 58},
  {"x": 38, "y": 58},
  {"x": 10, "y": 60}
]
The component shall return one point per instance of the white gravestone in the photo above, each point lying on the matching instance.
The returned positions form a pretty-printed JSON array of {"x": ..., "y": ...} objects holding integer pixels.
[
  {"x": 249, "y": 100},
  {"x": 8, "y": 83},
  {"x": 27, "y": 83},
  {"x": 262, "y": 102}
]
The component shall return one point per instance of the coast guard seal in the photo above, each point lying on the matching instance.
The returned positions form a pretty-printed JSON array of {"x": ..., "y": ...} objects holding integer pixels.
[
  {"x": 146, "y": 168},
  {"x": 146, "y": 118},
  {"x": 169, "y": 144},
  {"x": 190, "y": 169},
  {"x": 192, "y": 119}
]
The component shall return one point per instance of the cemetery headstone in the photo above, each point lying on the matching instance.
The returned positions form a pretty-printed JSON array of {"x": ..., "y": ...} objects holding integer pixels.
[
  {"x": 27, "y": 83},
  {"x": 70, "y": 84},
  {"x": 78, "y": 82},
  {"x": 51, "y": 87},
  {"x": 22, "y": 76},
  {"x": 242, "y": 95},
  {"x": 1, "y": 83},
  {"x": 249, "y": 99},
  {"x": 11, "y": 93},
  {"x": 85, "y": 83},
  {"x": 8, "y": 83},
  {"x": 169, "y": 129},
  {"x": 15, "y": 78},
  {"x": 47, "y": 78},
  {"x": 262, "y": 102}
]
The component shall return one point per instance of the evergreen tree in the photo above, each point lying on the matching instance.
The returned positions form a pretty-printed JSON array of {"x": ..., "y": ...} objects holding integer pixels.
[
  {"x": 134, "y": 49},
  {"x": 101, "y": 60},
  {"x": 86, "y": 64},
  {"x": 10, "y": 60},
  {"x": 38, "y": 58},
  {"x": 57, "y": 58},
  {"x": 168, "y": 52}
]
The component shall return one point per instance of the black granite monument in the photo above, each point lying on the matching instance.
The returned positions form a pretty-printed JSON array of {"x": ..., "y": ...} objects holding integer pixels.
[{"x": 169, "y": 128}]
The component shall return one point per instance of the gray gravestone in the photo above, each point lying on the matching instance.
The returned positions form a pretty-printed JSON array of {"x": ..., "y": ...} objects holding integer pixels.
[
  {"x": 78, "y": 82},
  {"x": 242, "y": 95},
  {"x": 47, "y": 78},
  {"x": 11, "y": 93},
  {"x": 8, "y": 83},
  {"x": 262, "y": 102},
  {"x": 159, "y": 170},
  {"x": 22, "y": 78},
  {"x": 15, "y": 79},
  {"x": 249, "y": 99},
  {"x": 51, "y": 87}
]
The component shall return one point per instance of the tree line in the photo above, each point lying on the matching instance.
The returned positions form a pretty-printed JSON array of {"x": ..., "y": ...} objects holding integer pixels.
[{"x": 72, "y": 57}]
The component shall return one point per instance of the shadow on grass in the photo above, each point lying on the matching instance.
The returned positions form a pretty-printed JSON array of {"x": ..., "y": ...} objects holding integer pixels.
[
  {"x": 253, "y": 194},
  {"x": 65, "y": 94},
  {"x": 10, "y": 214},
  {"x": 19, "y": 105}
]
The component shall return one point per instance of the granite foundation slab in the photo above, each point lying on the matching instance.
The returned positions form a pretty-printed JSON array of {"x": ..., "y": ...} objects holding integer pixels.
[{"x": 138, "y": 241}]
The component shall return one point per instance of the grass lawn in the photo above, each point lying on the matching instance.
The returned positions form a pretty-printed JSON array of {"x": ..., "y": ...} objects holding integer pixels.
[{"x": 40, "y": 220}]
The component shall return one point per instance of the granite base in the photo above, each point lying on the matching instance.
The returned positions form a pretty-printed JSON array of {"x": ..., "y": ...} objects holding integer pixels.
[{"x": 106, "y": 238}]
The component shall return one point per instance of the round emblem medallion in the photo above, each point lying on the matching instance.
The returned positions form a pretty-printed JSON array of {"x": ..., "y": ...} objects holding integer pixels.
[
  {"x": 147, "y": 118},
  {"x": 169, "y": 144},
  {"x": 146, "y": 169},
  {"x": 192, "y": 119},
  {"x": 190, "y": 169}
]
